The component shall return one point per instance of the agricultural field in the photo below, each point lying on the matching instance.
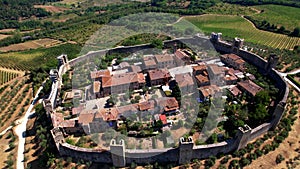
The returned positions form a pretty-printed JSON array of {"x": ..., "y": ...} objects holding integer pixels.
[
  {"x": 237, "y": 26},
  {"x": 83, "y": 4},
  {"x": 79, "y": 33},
  {"x": 279, "y": 15},
  {"x": 6, "y": 75},
  {"x": 27, "y": 60},
  {"x": 61, "y": 17},
  {"x": 15, "y": 99},
  {"x": 31, "y": 45},
  {"x": 231, "y": 9},
  {"x": 52, "y": 9}
]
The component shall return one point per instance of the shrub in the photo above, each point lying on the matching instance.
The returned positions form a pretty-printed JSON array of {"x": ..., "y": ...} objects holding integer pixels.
[{"x": 279, "y": 158}]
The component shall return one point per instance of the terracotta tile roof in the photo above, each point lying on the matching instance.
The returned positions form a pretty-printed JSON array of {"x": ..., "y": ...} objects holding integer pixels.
[
  {"x": 230, "y": 78},
  {"x": 163, "y": 118},
  {"x": 240, "y": 61},
  {"x": 215, "y": 69},
  {"x": 202, "y": 79},
  {"x": 235, "y": 91},
  {"x": 159, "y": 74},
  {"x": 147, "y": 105},
  {"x": 199, "y": 68},
  {"x": 128, "y": 108},
  {"x": 135, "y": 69},
  {"x": 209, "y": 90},
  {"x": 250, "y": 87},
  {"x": 86, "y": 118},
  {"x": 110, "y": 114},
  {"x": 122, "y": 79},
  {"x": 96, "y": 86},
  {"x": 149, "y": 61},
  {"x": 100, "y": 73},
  {"x": 168, "y": 103},
  {"x": 164, "y": 58},
  {"x": 77, "y": 110},
  {"x": 184, "y": 80},
  {"x": 233, "y": 56},
  {"x": 180, "y": 54}
]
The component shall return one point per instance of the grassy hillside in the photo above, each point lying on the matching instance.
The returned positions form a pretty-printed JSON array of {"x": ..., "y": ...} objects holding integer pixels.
[
  {"x": 236, "y": 26},
  {"x": 36, "y": 58},
  {"x": 289, "y": 17}
]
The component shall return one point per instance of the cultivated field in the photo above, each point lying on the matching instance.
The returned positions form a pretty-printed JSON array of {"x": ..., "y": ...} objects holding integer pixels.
[
  {"x": 6, "y": 75},
  {"x": 27, "y": 60},
  {"x": 279, "y": 15},
  {"x": 61, "y": 18},
  {"x": 30, "y": 45},
  {"x": 15, "y": 99},
  {"x": 231, "y": 9},
  {"x": 50, "y": 8},
  {"x": 237, "y": 26}
]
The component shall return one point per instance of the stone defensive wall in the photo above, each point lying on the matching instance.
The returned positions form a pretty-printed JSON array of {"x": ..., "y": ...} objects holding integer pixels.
[{"x": 186, "y": 151}]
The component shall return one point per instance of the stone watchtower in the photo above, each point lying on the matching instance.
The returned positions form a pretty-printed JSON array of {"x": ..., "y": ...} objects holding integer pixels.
[
  {"x": 272, "y": 62},
  {"x": 237, "y": 45},
  {"x": 185, "y": 150},
  {"x": 63, "y": 60},
  {"x": 54, "y": 75},
  {"x": 216, "y": 37},
  {"x": 243, "y": 135},
  {"x": 118, "y": 153}
]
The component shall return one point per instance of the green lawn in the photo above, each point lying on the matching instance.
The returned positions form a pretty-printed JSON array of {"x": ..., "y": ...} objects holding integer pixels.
[
  {"x": 289, "y": 17},
  {"x": 236, "y": 26}
]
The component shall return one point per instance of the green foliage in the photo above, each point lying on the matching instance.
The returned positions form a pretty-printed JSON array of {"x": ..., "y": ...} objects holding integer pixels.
[
  {"x": 157, "y": 43},
  {"x": 177, "y": 93},
  {"x": 278, "y": 15},
  {"x": 279, "y": 158}
]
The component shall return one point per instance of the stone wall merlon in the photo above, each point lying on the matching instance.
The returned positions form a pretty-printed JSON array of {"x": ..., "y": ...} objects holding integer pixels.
[{"x": 148, "y": 151}]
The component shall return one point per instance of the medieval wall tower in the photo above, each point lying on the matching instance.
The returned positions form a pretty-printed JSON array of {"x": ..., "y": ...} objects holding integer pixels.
[
  {"x": 118, "y": 153},
  {"x": 185, "y": 150}
]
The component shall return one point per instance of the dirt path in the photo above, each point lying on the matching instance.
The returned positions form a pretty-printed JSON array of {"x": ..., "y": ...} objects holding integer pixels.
[{"x": 21, "y": 128}]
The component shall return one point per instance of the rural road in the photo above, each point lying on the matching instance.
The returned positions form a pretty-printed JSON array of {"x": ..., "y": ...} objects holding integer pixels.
[
  {"x": 21, "y": 129},
  {"x": 287, "y": 80}
]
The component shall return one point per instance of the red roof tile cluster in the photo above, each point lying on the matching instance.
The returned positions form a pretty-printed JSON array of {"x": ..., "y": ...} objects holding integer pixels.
[
  {"x": 180, "y": 54},
  {"x": 250, "y": 87},
  {"x": 215, "y": 69},
  {"x": 159, "y": 74},
  {"x": 199, "y": 68},
  {"x": 147, "y": 105},
  {"x": 184, "y": 80},
  {"x": 122, "y": 79},
  {"x": 163, "y": 118},
  {"x": 235, "y": 91},
  {"x": 209, "y": 90},
  {"x": 202, "y": 79},
  {"x": 168, "y": 103},
  {"x": 100, "y": 73}
]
